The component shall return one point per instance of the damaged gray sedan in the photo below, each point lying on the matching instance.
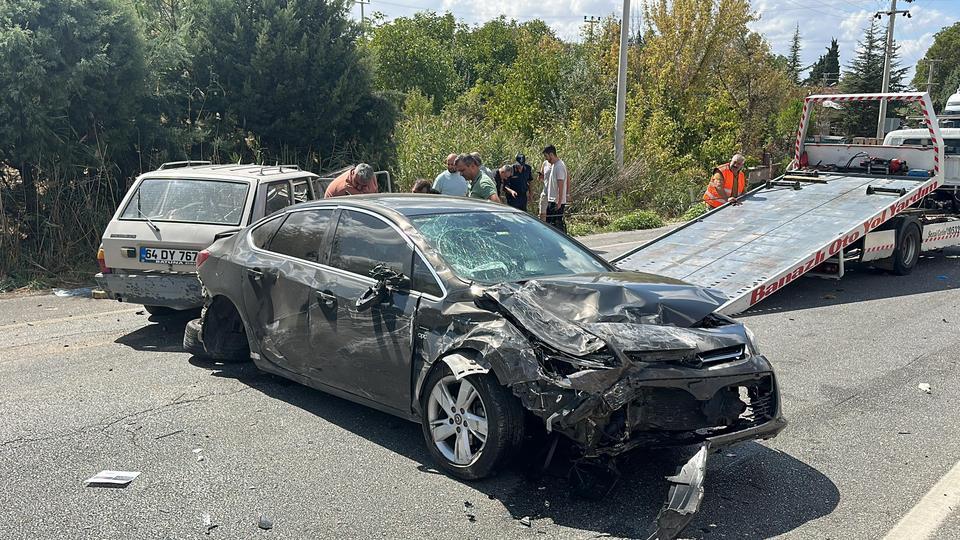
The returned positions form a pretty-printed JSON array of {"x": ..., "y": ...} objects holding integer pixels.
[{"x": 471, "y": 318}]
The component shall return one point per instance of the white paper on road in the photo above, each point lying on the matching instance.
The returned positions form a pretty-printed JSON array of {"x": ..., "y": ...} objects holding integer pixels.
[{"x": 113, "y": 478}]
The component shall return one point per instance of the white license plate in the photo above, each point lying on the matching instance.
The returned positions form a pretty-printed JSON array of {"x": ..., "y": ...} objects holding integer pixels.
[{"x": 167, "y": 256}]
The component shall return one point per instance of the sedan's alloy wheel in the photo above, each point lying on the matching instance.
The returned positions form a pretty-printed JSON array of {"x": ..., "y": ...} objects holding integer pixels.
[{"x": 457, "y": 420}]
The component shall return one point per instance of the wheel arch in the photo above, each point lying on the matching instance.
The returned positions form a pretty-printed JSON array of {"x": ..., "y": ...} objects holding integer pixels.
[
  {"x": 218, "y": 313},
  {"x": 462, "y": 361}
]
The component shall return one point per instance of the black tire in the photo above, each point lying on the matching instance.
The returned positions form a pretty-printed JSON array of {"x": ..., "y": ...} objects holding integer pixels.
[
  {"x": 161, "y": 311},
  {"x": 907, "y": 252},
  {"x": 504, "y": 421},
  {"x": 191, "y": 339}
]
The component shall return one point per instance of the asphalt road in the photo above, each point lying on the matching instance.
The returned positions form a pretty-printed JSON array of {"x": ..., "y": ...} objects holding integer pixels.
[{"x": 87, "y": 385}]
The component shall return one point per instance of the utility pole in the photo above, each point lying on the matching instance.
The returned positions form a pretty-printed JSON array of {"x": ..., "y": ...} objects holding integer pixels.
[
  {"x": 363, "y": 19},
  {"x": 622, "y": 85},
  {"x": 931, "y": 62},
  {"x": 887, "y": 58},
  {"x": 592, "y": 21}
]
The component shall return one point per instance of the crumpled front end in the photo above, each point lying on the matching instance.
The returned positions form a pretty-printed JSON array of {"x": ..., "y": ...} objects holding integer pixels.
[{"x": 613, "y": 370}]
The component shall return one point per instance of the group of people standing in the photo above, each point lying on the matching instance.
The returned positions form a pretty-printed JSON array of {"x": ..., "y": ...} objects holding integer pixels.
[{"x": 466, "y": 176}]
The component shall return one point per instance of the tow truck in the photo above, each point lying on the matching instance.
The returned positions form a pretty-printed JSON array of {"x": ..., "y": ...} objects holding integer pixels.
[{"x": 837, "y": 204}]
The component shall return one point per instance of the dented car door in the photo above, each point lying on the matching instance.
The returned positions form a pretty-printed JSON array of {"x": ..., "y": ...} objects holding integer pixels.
[
  {"x": 279, "y": 287},
  {"x": 371, "y": 347}
]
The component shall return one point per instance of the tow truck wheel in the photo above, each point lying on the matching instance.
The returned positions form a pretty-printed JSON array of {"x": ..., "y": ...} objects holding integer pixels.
[{"x": 907, "y": 253}]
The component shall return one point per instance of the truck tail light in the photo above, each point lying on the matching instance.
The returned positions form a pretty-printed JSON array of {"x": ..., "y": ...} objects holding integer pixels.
[
  {"x": 202, "y": 257},
  {"x": 102, "y": 262}
]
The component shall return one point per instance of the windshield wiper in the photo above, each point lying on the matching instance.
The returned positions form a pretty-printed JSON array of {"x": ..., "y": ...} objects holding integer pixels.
[{"x": 144, "y": 216}]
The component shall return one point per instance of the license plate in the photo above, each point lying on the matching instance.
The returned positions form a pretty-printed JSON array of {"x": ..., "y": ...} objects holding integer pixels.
[{"x": 167, "y": 256}]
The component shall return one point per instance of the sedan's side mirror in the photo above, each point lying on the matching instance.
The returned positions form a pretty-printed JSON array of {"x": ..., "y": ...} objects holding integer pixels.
[{"x": 376, "y": 294}]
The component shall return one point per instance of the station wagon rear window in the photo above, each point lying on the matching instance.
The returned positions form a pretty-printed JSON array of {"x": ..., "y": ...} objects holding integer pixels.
[{"x": 188, "y": 201}]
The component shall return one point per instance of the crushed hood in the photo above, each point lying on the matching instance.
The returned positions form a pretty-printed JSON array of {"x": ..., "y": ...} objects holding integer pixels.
[{"x": 579, "y": 314}]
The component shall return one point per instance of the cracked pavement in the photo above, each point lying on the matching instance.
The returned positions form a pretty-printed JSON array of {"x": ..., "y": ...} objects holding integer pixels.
[{"x": 88, "y": 385}]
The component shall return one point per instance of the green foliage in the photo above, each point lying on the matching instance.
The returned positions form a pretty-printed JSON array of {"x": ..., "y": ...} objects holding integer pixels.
[
  {"x": 793, "y": 61},
  {"x": 642, "y": 219},
  {"x": 695, "y": 211},
  {"x": 413, "y": 53},
  {"x": 289, "y": 73},
  {"x": 826, "y": 70},
  {"x": 946, "y": 74}
]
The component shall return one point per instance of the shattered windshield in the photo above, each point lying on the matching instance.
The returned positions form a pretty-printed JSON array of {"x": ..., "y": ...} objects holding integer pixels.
[
  {"x": 493, "y": 247},
  {"x": 188, "y": 200}
]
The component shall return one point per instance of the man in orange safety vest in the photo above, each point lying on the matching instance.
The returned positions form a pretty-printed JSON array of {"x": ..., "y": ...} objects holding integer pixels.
[{"x": 727, "y": 183}]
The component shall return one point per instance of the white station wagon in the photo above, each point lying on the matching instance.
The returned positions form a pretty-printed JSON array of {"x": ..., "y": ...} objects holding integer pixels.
[{"x": 149, "y": 250}]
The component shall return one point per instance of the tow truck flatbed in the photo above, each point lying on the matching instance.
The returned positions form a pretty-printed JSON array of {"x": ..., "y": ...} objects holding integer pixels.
[
  {"x": 816, "y": 217},
  {"x": 750, "y": 250}
]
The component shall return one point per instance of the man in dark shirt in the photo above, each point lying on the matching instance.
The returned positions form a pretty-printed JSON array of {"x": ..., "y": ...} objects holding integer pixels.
[{"x": 517, "y": 186}]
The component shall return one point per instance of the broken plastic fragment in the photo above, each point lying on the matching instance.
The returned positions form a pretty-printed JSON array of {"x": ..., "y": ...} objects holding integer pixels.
[
  {"x": 111, "y": 478},
  {"x": 265, "y": 523},
  {"x": 925, "y": 387},
  {"x": 525, "y": 521},
  {"x": 683, "y": 500}
]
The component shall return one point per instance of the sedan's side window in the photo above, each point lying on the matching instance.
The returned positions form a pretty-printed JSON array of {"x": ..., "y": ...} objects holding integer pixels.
[
  {"x": 278, "y": 196},
  {"x": 363, "y": 241},
  {"x": 264, "y": 232},
  {"x": 301, "y": 234},
  {"x": 422, "y": 278}
]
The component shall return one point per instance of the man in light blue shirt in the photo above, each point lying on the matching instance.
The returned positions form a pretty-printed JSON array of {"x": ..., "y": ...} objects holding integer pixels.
[{"x": 451, "y": 182}]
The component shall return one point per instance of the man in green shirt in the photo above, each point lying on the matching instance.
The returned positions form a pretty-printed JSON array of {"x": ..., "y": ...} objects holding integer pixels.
[{"x": 481, "y": 185}]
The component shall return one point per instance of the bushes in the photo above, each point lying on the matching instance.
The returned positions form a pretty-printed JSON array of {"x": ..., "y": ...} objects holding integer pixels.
[
  {"x": 695, "y": 211},
  {"x": 642, "y": 219}
]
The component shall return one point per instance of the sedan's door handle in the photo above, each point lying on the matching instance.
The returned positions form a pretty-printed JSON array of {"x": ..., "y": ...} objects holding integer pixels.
[{"x": 327, "y": 299}]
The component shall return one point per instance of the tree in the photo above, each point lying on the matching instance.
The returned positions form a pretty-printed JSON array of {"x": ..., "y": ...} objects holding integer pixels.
[
  {"x": 864, "y": 75},
  {"x": 71, "y": 73},
  {"x": 826, "y": 70},
  {"x": 287, "y": 76},
  {"x": 414, "y": 53},
  {"x": 946, "y": 79},
  {"x": 793, "y": 61}
]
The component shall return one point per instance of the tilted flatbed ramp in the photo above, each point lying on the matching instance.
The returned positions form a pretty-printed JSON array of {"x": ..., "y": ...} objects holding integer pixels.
[{"x": 751, "y": 250}]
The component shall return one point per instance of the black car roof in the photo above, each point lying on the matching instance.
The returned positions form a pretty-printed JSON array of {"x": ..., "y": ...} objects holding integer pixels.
[{"x": 415, "y": 204}]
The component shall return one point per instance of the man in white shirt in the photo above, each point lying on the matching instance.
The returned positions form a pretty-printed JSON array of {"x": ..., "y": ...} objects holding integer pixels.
[
  {"x": 556, "y": 185},
  {"x": 450, "y": 182}
]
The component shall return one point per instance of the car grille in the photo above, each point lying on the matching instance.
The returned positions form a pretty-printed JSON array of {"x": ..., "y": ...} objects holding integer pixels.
[{"x": 720, "y": 356}]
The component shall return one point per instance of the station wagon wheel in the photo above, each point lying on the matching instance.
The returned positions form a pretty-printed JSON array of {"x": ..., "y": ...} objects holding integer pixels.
[{"x": 470, "y": 425}]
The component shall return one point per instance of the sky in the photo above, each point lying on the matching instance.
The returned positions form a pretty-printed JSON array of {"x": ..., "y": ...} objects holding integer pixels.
[{"x": 819, "y": 20}]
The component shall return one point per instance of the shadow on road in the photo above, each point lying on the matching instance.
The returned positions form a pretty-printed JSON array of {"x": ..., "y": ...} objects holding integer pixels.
[
  {"x": 935, "y": 272},
  {"x": 164, "y": 335},
  {"x": 758, "y": 493}
]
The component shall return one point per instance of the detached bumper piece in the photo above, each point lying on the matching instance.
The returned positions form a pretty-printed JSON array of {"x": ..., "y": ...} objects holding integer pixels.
[{"x": 684, "y": 497}]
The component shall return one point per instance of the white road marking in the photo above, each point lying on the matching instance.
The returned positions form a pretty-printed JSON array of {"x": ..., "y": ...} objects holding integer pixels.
[
  {"x": 932, "y": 510},
  {"x": 64, "y": 319}
]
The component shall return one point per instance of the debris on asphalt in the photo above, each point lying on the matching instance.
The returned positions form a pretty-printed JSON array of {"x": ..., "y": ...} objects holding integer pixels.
[
  {"x": 165, "y": 435},
  {"x": 829, "y": 297},
  {"x": 525, "y": 521},
  {"x": 467, "y": 510},
  {"x": 83, "y": 291},
  {"x": 111, "y": 479},
  {"x": 265, "y": 523},
  {"x": 925, "y": 387},
  {"x": 943, "y": 278},
  {"x": 208, "y": 523}
]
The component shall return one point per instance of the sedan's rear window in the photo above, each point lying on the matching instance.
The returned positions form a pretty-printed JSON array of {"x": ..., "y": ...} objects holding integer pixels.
[
  {"x": 493, "y": 247},
  {"x": 188, "y": 200}
]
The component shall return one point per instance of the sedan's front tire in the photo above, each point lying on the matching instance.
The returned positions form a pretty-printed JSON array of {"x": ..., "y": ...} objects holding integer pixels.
[{"x": 471, "y": 426}]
